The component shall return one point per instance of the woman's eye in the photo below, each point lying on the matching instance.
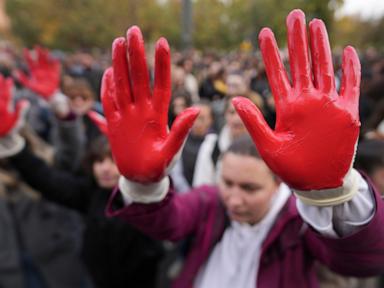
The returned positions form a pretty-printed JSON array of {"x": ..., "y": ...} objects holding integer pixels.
[
  {"x": 250, "y": 187},
  {"x": 228, "y": 183}
]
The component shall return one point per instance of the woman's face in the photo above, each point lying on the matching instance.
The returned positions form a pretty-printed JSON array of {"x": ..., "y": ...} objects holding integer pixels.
[
  {"x": 106, "y": 173},
  {"x": 179, "y": 105},
  {"x": 203, "y": 121},
  {"x": 236, "y": 86},
  {"x": 246, "y": 187},
  {"x": 80, "y": 102},
  {"x": 234, "y": 122}
]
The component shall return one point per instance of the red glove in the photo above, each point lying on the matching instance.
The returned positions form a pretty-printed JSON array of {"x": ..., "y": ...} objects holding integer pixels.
[
  {"x": 99, "y": 121},
  {"x": 9, "y": 118},
  {"x": 44, "y": 73},
  {"x": 314, "y": 141},
  {"x": 136, "y": 117}
]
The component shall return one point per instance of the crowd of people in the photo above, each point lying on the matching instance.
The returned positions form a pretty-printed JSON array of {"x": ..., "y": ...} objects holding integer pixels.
[{"x": 63, "y": 175}]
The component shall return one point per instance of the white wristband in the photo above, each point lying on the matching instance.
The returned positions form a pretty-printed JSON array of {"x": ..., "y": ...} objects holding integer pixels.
[
  {"x": 334, "y": 196},
  {"x": 143, "y": 193}
]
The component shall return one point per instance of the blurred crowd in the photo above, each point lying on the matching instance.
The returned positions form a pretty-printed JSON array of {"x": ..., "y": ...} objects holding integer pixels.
[{"x": 53, "y": 194}]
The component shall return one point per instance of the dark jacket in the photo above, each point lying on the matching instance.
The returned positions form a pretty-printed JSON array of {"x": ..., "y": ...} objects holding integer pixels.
[
  {"x": 116, "y": 254},
  {"x": 39, "y": 241}
]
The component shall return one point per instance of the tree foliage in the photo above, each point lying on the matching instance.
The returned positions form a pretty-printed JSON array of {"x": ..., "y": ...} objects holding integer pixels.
[
  {"x": 361, "y": 33},
  {"x": 219, "y": 24}
]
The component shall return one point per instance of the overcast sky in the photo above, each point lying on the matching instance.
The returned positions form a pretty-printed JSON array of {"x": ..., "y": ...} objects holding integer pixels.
[{"x": 365, "y": 8}]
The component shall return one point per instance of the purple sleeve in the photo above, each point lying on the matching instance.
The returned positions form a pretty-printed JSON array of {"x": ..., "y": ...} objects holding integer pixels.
[
  {"x": 175, "y": 217},
  {"x": 360, "y": 254}
]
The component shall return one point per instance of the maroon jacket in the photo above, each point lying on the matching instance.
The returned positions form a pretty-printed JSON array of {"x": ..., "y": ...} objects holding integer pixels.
[{"x": 288, "y": 253}]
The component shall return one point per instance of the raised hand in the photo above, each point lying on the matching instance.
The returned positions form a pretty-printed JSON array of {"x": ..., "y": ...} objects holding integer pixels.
[
  {"x": 141, "y": 144},
  {"x": 10, "y": 118},
  {"x": 44, "y": 71},
  {"x": 314, "y": 141}
]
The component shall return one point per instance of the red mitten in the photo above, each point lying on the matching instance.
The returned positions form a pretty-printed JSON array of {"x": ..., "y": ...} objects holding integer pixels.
[
  {"x": 313, "y": 144},
  {"x": 140, "y": 141}
]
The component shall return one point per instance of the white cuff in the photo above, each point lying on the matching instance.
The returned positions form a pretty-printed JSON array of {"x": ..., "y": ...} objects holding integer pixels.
[
  {"x": 334, "y": 196},
  {"x": 143, "y": 193},
  {"x": 343, "y": 219}
]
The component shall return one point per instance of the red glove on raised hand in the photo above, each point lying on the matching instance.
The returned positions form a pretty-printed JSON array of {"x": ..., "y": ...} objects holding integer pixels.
[
  {"x": 314, "y": 141},
  {"x": 9, "y": 119},
  {"x": 137, "y": 118},
  {"x": 44, "y": 73}
]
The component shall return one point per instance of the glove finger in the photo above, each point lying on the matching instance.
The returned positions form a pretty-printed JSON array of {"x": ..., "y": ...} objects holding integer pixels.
[
  {"x": 99, "y": 120},
  {"x": 179, "y": 131},
  {"x": 20, "y": 114},
  {"x": 138, "y": 66},
  {"x": 322, "y": 64},
  {"x": 121, "y": 70},
  {"x": 162, "y": 85},
  {"x": 42, "y": 56},
  {"x": 298, "y": 50},
  {"x": 263, "y": 136},
  {"x": 277, "y": 76},
  {"x": 21, "y": 77},
  {"x": 6, "y": 85},
  {"x": 350, "y": 83},
  {"x": 111, "y": 109}
]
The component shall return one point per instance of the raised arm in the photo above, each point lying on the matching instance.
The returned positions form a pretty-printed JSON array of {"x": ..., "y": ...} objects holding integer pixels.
[
  {"x": 53, "y": 184},
  {"x": 313, "y": 144},
  {"x": 136, "y": 115},
  {"x": 142, "y": 145}
]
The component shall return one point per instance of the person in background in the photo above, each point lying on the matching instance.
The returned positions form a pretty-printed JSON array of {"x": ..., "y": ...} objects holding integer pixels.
[
  {"x": 207, "y": 163},
  {"x": 190, "y": 81},
  {"x": 40, "y": 243},
  {"x": 201, "y": 135},
  {"x": 213, "y": 86},
  {"x": 236, "y": 86},
  {"x": 180, "y": 101},
  {"x": 82, "y": 100}
]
